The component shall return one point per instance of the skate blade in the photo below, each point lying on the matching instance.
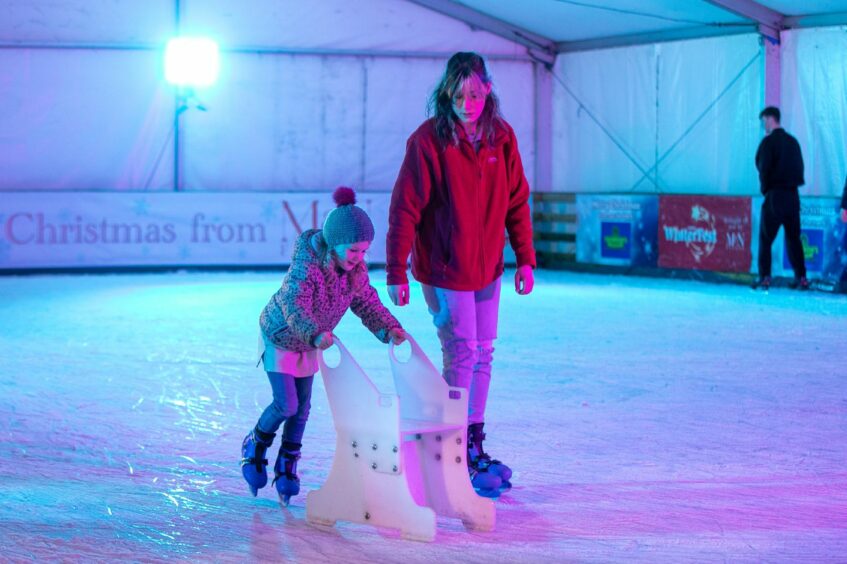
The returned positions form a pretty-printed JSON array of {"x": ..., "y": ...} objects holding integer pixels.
[
  {"x": 505, "y": 486},
  {"x": 252, "y": 490},
  {"x": 284, "y": 501}
]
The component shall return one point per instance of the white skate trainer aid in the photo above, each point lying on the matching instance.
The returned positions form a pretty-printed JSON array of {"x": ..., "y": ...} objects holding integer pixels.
[{"x": 399, "y": 459}]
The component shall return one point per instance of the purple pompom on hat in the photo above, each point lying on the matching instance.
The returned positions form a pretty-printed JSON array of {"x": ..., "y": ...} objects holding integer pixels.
[{"x": 347, "y": 223}]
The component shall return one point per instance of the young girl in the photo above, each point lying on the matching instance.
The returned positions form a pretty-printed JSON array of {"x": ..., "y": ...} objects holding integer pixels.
[
  {"x": 461, "y": 186},
  {"x": 327, "y": 276}
]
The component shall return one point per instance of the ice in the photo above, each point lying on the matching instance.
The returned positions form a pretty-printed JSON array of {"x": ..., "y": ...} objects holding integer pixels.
[{"x": 646, "y": 420}]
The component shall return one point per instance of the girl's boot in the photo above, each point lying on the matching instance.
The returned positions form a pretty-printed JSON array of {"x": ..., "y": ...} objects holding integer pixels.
[
  {"x": 285, "y": 471},
  {"x": 254, "y": 462}
]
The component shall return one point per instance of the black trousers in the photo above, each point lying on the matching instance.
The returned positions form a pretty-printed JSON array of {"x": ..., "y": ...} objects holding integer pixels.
[
  {"x": 842, "y": 282},
  {"x": 781, "y": 208}
]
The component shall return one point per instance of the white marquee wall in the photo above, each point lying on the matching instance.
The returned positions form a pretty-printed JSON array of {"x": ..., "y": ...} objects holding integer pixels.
[
  {"x": 646, "y": 98},
  {"x": 814, "y": 103},
  {"x": 311, "y": 95}
]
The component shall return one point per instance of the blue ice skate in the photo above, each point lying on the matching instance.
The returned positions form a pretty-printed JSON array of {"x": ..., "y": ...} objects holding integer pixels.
[
  {"x": 285, "y": 472},
  {"x": 482, "y": 461},
  {"x": 484, "y": 482},
  {"x": 499, "y": 469},
  {"x": 253, "y": 461}
]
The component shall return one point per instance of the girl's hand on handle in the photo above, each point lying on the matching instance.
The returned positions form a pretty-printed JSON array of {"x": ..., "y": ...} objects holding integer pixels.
[
  {"x": 524, "y": 280},
  {"x": 397, "y": 335},
  {"x": 844, "y": 215},
  {"x": 324, "y": 340},
  {"x": 399, "y": 294}
]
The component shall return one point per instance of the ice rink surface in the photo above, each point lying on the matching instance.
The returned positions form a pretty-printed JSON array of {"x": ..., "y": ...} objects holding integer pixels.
[{"x": 647, "y": 420}]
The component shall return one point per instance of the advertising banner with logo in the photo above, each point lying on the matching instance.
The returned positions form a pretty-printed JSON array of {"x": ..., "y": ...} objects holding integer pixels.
[
  {"x": 823, "y": 236},
  {"x": 705, "y": 233},
  {"x": 105, "y": 229},
  {"x": 617, "y": 230}
]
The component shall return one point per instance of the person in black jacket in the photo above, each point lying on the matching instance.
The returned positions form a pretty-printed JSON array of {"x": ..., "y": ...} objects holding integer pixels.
[{"x": 780, "y": 165}]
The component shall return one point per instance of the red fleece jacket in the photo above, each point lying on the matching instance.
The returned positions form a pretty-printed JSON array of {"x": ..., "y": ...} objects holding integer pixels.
[{"x": 451, "y": 207}]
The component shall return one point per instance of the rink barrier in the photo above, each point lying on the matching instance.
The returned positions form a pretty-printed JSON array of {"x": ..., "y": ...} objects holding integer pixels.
[
  {"x": 645, "y": 234},
  {"x": 554, "y": 221}
]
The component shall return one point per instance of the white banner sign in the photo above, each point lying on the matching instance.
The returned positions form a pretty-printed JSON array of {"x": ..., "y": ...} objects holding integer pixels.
[{"x": 102, "y": 229}]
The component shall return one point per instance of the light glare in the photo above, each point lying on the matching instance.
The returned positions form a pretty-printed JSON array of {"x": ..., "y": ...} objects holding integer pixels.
[{"x": 191, "y": 61}]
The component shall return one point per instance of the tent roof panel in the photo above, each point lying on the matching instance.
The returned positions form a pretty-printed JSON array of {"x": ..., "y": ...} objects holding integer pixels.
[
  {"x": 576, "y": 20},
  {"x": 590, "y": 24},
  {"x": 805, "y": 7}
]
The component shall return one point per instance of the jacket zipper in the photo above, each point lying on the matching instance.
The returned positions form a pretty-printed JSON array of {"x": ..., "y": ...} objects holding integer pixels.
[{"x": 478, "y": 206}]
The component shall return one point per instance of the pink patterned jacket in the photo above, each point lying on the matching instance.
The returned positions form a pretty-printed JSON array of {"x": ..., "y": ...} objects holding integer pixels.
[{"x": 315, "y": 295}]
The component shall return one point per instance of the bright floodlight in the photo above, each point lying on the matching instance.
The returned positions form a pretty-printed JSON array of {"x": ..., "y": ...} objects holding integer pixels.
[{"x": 191, "y": 61}]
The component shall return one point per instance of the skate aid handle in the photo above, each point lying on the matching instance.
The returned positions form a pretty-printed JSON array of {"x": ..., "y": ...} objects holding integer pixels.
[
  {"x": 425, "y": 374},
  {"x": 418, "y": 356}
]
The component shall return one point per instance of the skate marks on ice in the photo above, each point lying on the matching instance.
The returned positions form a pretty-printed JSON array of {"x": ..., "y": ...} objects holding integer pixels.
[{"x": 649, "y": 420}]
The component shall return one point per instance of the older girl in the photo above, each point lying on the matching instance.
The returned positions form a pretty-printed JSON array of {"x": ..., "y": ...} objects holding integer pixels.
[{"x": 460, "y": 188}]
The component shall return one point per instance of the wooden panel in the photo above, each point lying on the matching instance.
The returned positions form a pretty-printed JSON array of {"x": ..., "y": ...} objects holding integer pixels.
[
  {"x": 554, "y": 197},
  {"x": 571, "y": 237},
  {"x": 554, "y": 220},
  {"x": 554, "y": 217}
]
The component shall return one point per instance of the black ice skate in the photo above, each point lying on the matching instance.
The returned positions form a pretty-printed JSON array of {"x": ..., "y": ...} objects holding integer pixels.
[
  {"x": 801, "y": 284},
  {"x": 763, "y": 283}
]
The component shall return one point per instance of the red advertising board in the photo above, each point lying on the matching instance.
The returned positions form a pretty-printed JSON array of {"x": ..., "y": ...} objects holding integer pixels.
[{"x": 705, "y": 233}]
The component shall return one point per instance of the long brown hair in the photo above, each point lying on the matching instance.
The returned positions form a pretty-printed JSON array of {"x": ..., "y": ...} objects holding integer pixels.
[{"x": 460, "y": 67}]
